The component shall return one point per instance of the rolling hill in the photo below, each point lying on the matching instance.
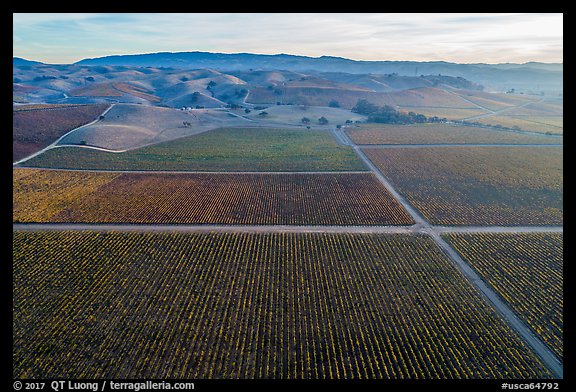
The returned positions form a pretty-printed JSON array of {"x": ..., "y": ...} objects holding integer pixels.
[
  {"x": 529, "y": 76},
  {"x": 210, "y": 88}
]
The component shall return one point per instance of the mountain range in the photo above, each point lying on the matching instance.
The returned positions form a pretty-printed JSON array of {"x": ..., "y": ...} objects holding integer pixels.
[{"x": 531, "y": 76}]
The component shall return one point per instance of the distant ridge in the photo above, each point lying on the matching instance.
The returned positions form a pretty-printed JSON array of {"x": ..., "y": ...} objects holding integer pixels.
[
  {"x": 18, "y": 61},
  {"x": 529, "y": 75}
]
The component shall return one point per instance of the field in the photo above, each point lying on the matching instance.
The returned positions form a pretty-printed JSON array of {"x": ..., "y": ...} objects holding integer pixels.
[
  {"x": 438, "y": 133},
  {"x": 526, "y": 270},
  {"x": 168, "y": 305},
  {"x": 225, "y": 149},
  {"x": 38, "y": 195},
  {"x": 116, "y": 89},
  {"x": 36, "y": 106},
  {"x": 311, "y": 96},
  {"x": 428, "y": 97},
  {"x": 129, "y": 126},
  {"x": 495, "y": 101},
  {"x": 551, "y": 125},
  {"x": 478, "y": 185},
  {"x": 286, "y": 114},
  {"x": 32, "y": 130},
  {"x": 347, "y": 99},
  {"x": 281, "y": 199},
  {"x": 200, "y": 230},
  {"x": 444, "y": 112}
]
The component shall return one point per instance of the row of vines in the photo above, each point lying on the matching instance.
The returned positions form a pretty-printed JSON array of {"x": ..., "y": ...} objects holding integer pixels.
[
  {"x": 478, "y": 185},
  {"x": 526, "y": 270},
  {"x": 293, "y": 199},
  {"x": 172, "y": 305}
]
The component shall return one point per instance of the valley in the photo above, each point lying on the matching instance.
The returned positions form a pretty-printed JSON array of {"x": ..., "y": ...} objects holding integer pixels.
[{"x": 257, "y": 222}]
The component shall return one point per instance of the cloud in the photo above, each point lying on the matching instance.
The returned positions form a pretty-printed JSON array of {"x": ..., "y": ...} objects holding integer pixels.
[{"x": 376, "y": 36}]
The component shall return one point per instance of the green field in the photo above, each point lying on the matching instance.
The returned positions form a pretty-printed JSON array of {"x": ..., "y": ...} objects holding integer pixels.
[
  {"x": 225, "y": 149},
  {"x": 282, "y": 306}
]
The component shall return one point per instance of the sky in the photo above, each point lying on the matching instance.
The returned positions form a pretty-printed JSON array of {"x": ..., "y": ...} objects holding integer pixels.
[{"x": 462, "y": 38}]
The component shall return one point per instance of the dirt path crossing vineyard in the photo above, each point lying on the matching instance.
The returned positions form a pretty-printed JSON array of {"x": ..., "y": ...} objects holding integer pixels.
[
  {"x": 420, "y": 227},
  {"x": 493, "y": 298}
]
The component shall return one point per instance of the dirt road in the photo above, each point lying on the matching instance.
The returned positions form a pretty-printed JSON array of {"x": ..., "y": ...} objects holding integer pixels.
[{"x": 54, "y": 144}]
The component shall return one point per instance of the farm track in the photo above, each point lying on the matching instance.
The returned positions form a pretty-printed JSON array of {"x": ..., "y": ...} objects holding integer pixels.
[
  {"x": 500, "y": 305},
  {"x": 413, "y": 229},
  {"x": 499, "y": 111},
  {"x": 455, "y": 145},
  {"x": 492, "y": 297},
  {"x": 199, "y": 172},
  {"x": 491, "y": 112},
  {"x": 54, "y": 144}
]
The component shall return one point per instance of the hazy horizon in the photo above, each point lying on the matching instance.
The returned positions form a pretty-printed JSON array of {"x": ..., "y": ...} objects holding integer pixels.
[
  {"x": 272, "y": 54},
  {"x": 459, "y": 38}
]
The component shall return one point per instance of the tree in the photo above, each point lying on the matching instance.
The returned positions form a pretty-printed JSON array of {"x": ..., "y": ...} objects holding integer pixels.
[
  {"x": 209, "y": 87},
  {"x": 305, "y": 120},
  {"x": 364, "y": 107},
  {"x": 323, "y": 120},
  {"x": 195, "y": 96},
  {"x": 387, "y": 114},
  {"x": 334, "y": 104}
]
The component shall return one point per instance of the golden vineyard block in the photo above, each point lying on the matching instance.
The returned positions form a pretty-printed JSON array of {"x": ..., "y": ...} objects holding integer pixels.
[
  {"x": 225, "y": 305},
  {"x": 269, "y": 199}
]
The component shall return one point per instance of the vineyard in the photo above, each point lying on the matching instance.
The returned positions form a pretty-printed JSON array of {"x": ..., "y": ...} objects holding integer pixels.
[
  {"x": 168, "y": 305},
  {"x": 224, "y": 149},
  {"x": 39, "y": 195},
  {"x": 42, "y": 106},
  {"x": 439, "y": 133},
  {"x": 526, "y": 270},
  {"x": 33, "y": 130},
  {"x": 444, "y": 112},
  {"x": 478, "y": 185},
  {"x": 294, "y": 199},
  {"x": 542, "y": 124}
]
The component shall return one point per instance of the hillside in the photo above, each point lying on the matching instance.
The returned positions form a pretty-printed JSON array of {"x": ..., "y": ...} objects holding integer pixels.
[
  {"x": 529, "y": 76},
  {"x": 210, "y": 88},
  {"x": 432, "y": 95}
]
